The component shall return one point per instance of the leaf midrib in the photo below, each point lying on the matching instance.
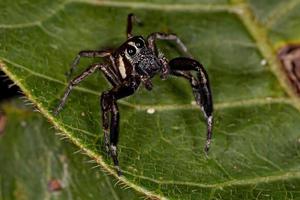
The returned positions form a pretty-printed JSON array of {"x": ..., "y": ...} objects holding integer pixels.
[{"x": 94, "y": 155}]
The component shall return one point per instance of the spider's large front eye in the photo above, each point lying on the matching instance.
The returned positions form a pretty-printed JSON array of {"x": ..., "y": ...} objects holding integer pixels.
[
  {"x": 131, "y": 50},
  {"x": 139, "y": 43}
]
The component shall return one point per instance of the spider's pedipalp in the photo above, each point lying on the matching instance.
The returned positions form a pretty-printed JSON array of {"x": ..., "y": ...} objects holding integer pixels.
[{"x": 171, "y": 37}]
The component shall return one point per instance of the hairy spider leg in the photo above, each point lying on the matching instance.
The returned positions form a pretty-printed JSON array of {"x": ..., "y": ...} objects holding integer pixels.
[
  {"x": 164, "y": 36},
  {"x": 90, "y": 70},
  {"x": 109, "y": 106},
  {"x": 88, "y": 54},
  {"x": 200, "y": 87},
  {"x": 131, "y": 18},
  {"x": 180, "y": 67},
  {"x": 156, "y": 36},
  {"x": 171, "y": 37}
]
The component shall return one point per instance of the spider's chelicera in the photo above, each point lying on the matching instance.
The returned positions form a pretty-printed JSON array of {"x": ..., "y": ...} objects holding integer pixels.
[{"x": 135, "y": 62}]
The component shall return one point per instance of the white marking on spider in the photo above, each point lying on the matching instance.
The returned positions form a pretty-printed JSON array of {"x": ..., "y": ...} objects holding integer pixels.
[
  {"x": 131, "y": 43},
  {"x": 122, "y": 67},
  {"x": 203, "y": 77}
]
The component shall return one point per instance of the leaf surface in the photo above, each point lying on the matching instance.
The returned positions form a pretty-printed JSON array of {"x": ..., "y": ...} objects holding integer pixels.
[
  {"x": 35, "y": 164},
  {"x": 255, "y": 149}
]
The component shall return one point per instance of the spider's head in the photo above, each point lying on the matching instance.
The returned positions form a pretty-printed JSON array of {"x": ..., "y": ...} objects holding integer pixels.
[{"x": 140, "y": 57}]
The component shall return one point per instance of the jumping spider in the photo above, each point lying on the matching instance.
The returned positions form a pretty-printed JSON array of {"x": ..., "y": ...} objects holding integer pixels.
[{"x": 136, "y": 61}]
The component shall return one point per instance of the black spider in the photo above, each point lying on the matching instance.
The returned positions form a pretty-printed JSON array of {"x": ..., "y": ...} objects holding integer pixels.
[{"x": 137, "y": 61}]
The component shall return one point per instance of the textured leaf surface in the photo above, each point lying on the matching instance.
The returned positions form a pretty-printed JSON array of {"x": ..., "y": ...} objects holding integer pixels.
[
  {"x": 33, "y": 159},
  {"x": 255, "y": 151}
]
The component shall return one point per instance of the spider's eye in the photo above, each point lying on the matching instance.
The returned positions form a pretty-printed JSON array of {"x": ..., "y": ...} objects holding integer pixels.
[
  {"x": 139, "y": 43},
  {"x": 131, "y": 50}
]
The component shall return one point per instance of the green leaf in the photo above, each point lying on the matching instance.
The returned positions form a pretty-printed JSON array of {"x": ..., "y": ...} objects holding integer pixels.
[
  {"x": 35, "y": 164},
  {"x": 255, "y": 149}
]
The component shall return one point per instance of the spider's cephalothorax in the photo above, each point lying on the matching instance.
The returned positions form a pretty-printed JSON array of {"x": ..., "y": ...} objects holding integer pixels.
[
  {"x": 134, "y": 56},
  {"x": 136, "y": 61}
]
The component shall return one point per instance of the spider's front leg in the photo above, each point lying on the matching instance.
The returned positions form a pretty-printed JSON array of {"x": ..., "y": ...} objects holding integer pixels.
[
  {"x": 171, "y": 37},
  {"x": 90, "y": 70},
  {"x": 131, "y": 18},
  {"x": 164, "y": 61},
  {"x": 88, "y": 54},
  {"x": 201, "y": 89},
  {"x": 109, "y": 107}
]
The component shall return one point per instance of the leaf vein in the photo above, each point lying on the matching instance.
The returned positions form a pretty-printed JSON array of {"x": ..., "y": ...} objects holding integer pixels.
[
  {"x": 283, "y": 8},
  {"x": 261, "y": 157},
  {"x": 260, "y": 36},
  {"x": 252, "y": 181},
  {"x": 167, "y": 107}
]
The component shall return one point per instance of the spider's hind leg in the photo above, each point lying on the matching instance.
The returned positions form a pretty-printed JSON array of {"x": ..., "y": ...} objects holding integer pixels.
[
  {"x": 201, "y": 89},
  {"x": 109, "y": 107}
]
